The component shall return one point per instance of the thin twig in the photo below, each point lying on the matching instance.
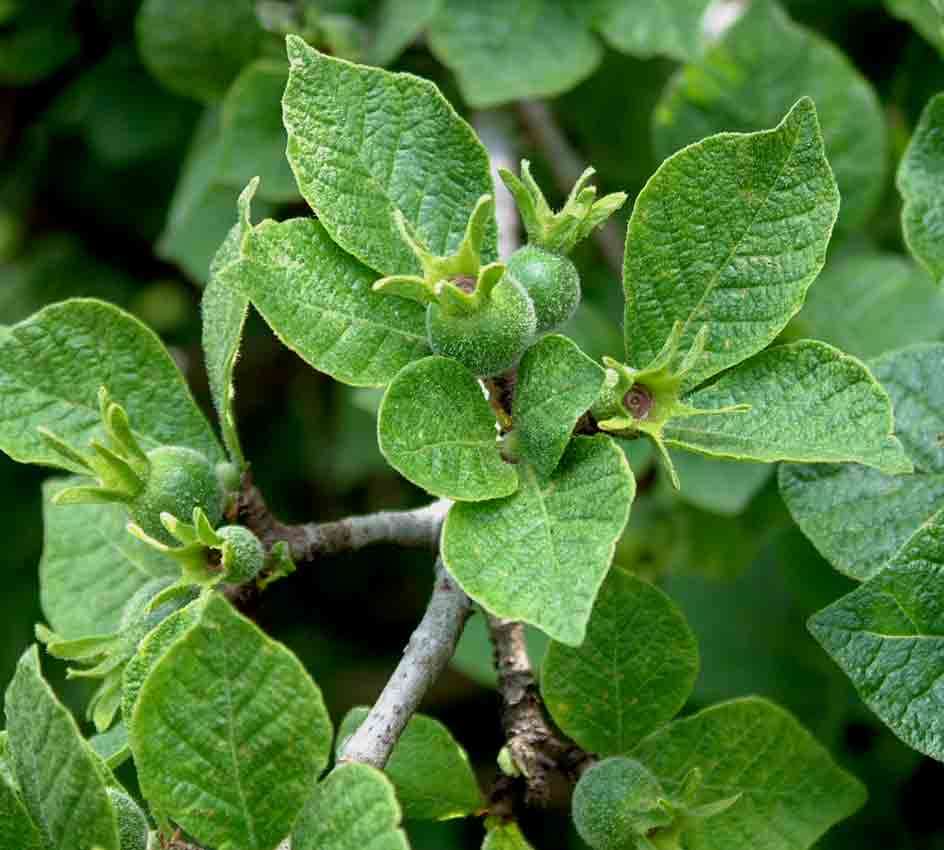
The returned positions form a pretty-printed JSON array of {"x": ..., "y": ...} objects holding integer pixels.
[
  {"x": 425, "y": 657},
  {"x": 493, "y": 129}
]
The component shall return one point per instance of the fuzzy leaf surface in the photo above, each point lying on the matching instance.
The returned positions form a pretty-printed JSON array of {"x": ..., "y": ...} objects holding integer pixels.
[
  {"x": 808, "y": 402},
  {"x": 17, "y": 830},
  {"x": 364, "y": 142},
  {"x": 429, "y": 769},
  {"x": 53, "y": 364},
  {"x": 541, "y": 554},
  {"x": 888, "y": 637},
  {"x": 859, "y": 518},
  {"x": 437, "y": 430},
  {"x": 921, "y": 183},
  {"x": 63, "y": 788},
  {"x": 353, "y": 808},
  {"x": 633, "y": 672},
  {"x": 501, "y": 835},
  {"x": 318, "y": 301},
  {"x": 791, "y": 790},
  {"x": 229, "y": 733},
  {"x": 647, "y": 28},
  {"x": 728, "y": 233},
  {"x": 755, "y": 73},
  {"x": 485, "y": 45},
  {"x": 557, "y": 384}
]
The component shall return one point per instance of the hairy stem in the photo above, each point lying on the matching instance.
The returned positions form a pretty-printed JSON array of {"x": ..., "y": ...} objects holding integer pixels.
[{"x": 426, "y": 655}]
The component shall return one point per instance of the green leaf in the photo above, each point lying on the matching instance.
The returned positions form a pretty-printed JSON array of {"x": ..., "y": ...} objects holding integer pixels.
[
  {"x": 112, "y": 746},
  {"x": 790, "y": 789},
  {"x": 63, "y": 788},
  {"x": 557, "y": 384},
  {"x": 53, "y": 364},
  {"x": 503, "y": 835},
  {"x": 355, "y": 807},
  {"x": 888, "y": 637},
  {"x": 505, "y": 50},
  {"x": 365, "y": 143},
  {"x": 319, "y": 302},
  {"x": 541, "y": 554},
  {"x": 252, "y": 138},
  {"x": 229, "y": 733},
  {"x": 90, "y": 565},
  {"x": 923, "y": 16},
  {"x": 647, "y": 28},
  {"x": 859, "y": 518},
  {"x": 921, "y": 182},
  {"x": 196, "y": 49},
  {"x": 751, "y": 77},
  {"x": 429, "y": 769},
  {"x": 717, "y": 485},
  {"x": 397, "y": 24},
  {"x": 870, "y": 302},
  {"x": 437, "y": 430},
  {"x": 808, "y": 402},
  {"x": 728, "y": 234},
  {"x": 39, "y": 41},
  {"x": 17, "y": 830},
  {"x": 633, "y": 672}
]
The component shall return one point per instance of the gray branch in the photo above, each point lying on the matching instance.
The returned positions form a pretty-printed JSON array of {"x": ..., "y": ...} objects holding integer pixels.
[{"x": 495, "y": 130}]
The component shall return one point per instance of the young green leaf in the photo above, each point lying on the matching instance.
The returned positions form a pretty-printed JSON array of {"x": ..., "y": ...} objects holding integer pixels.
[
  {"x": 921, "y": 182},
  {"x": 229, "y": 733},
  {"x": 490, "y": 45},
  {"x": 859, "y": 518},
  {"x": 365, "y": 143},
  {"x": 541, "y": 554},
  {"x": 428, "y": 767},
  {"x": 632, "y": 673},
  {"x": 319, "y": 302},
  {"x": 353, "y": 808},
  {"x": 728, "y": 235},
  {"x": 64, "y": 790},
  {"x": 888, "y": 637},
  {"x": 557, "y": 384},
  {"x": 53, "y": 364},
  {"x": 808, "y": 402},
  {"x": 503, "y": 835},
  {"x": 17, "y": 830},
  {"x": 751, "y": 77},
  {"x": 790, "y": 789},
  {"x": 647, "y": 28},
  {"x": 397, "y": 24},
  {"x": 437, "y": 430}
]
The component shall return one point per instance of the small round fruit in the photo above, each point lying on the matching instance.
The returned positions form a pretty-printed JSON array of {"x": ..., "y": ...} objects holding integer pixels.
[
  {"x": 133, "y": 827},
  {"x": 551, "y": 281},
  {"x": 179, "y": 480},
  {"x": 490, "y": 340},
  {"x": 246, "y": 553}
]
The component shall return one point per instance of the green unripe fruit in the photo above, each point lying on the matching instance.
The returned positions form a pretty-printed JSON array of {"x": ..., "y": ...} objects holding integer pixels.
[
  {"x": 551, "y": 281},
  {"x": 617, "y": 801},
  {"x": 490, "y": 339},
  {"x": 133, "y": 829},
  {"x": 179, "y": 480},
  {"x": 245, "y": 555}
]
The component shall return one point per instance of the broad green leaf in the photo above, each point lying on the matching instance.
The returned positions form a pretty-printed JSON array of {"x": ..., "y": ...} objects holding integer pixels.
[
  {"x": 752, "y": 76},
  {"x": 319, "y": 302},
  {"x": 429, "y": 769},
  {"x": 888, "y": 637},
  {"x": 196, "y": 49},
  {"x": 867, "y": 303},
  {"x": 557, "y": 384},
  {"x": 17, "y": 830},
  {"x": 365, "y": 143},
  {"x": 859, "y": 518},
  {"x": 505, "y": 50},
  {"x": 229, "y": 733},
  {"x": 223, "y": 310},
  {"x": 718, "y": 485},
  {"x": 791, "y": 790},
  {"x": 397, "y": 24},
  {"x": 437, "y": 430},
  {"x": 112, "y": 746},
  {"x": 503, "y": 835},
  {"x": 648, "y": 28},
  {"x": 53, "y": 364},
  {"x": 808, "y": 402},
  {"x": 354, "y": 808},
  {"x": 921, "y": 182},
  {"x": 37, "y": 42},
  {"x": 633, "y": 672},
  {"x": 923, "y": 16},
  {"x": 91, "y": 566},
  {"x": 63, "y": 788},
  {"x": 541, "y": 554},
  {"x": 252, "y": 138},
  {"x": 728, "y": 233}
]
